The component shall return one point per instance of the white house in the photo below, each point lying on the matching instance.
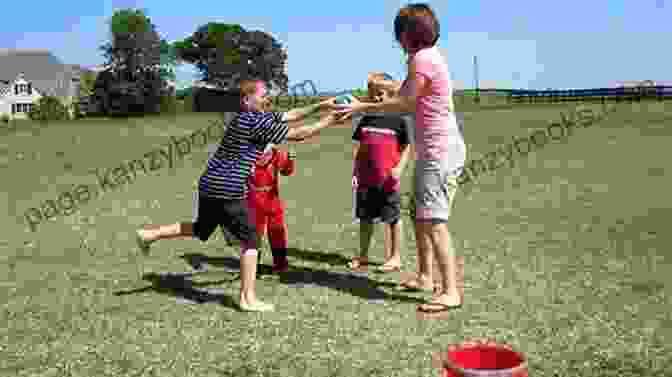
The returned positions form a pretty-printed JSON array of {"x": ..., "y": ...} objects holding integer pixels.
[
  {"x": 17, "y": 97},
  {"x": 27, "y": 75}
]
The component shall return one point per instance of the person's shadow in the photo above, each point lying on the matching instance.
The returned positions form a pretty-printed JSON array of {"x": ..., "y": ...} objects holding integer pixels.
[
  {"x": 180, "y": 286},
  {"x": 331, "y": 259},
  {"x": 355, "y": 284}
]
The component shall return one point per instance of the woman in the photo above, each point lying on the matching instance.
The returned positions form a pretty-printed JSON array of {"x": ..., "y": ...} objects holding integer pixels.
[{"x": 439, "y": 148}]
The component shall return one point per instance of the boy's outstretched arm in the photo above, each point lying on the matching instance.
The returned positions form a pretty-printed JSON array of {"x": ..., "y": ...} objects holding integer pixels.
[
  {"x": 301, "y": 133},
  {"x": 296, "y": 115}
]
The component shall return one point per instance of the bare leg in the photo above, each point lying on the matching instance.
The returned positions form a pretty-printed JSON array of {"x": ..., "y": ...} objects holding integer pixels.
[
  {"x": 248, "y": 278},
  {"x": 365, "y": 236},
  {"x": 153, "y": 233},
  {"x": 423, "y": 279},
  {"x": 445, "y": 256},
  {"x": 392, "y": 246}
]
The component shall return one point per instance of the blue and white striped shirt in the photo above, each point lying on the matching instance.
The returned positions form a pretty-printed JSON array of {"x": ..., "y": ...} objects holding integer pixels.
[{"x": 244, "y": 140}]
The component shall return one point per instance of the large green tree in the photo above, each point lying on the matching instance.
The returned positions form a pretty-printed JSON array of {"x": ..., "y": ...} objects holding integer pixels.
[
  {"x": 139, "y": 63},
  {"x": 134, "y": 45},
  {"x": 226, "y": 53}
]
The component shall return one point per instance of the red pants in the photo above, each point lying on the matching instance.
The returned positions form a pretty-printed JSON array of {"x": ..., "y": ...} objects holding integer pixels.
[{"x": 269, "y": 216}]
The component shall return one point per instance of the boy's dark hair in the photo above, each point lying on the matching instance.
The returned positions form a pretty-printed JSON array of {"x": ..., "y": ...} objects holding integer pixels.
[{"x": 419, "y": 25}]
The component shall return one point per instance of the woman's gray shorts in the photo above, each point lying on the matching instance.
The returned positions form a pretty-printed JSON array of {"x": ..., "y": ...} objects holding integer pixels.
[{"x": 435, "y": 189}]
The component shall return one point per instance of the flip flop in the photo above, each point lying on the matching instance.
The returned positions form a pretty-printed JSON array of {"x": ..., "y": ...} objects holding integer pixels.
[
  {"x": 257, "y": 307},
  {"x": 436, "y": 307}
]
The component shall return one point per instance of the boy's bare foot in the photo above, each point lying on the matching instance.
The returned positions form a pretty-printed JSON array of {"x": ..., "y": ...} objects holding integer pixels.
[
  {"x": 358, "y": 263},
  {"x": 143, "y": 241}
]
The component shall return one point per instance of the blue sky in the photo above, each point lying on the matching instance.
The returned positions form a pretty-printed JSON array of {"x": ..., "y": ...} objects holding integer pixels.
[{"x": 521, "y": 44}]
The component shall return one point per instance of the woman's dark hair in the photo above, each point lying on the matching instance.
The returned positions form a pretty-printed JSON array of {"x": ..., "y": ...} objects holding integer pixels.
[{"x": 418, "y": 22}]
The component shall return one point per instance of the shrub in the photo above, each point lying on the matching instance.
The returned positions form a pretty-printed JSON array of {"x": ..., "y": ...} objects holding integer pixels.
[
  {"x": 48, "y": 108},
  {"x": 4, "y": 118}
]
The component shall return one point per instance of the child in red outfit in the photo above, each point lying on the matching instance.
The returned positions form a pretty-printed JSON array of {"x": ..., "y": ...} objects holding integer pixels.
[{"x": 265, "y": 205}]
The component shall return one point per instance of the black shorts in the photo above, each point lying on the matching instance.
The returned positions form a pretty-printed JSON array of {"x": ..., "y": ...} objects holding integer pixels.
[
  {"x": 231, "y": 214},
  {"x": 374, "y": 203}
]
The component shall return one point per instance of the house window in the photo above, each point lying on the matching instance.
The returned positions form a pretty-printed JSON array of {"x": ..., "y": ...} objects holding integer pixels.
[
  {"x": 21, "y": 107},
  {"x": 22, "y": 89}
]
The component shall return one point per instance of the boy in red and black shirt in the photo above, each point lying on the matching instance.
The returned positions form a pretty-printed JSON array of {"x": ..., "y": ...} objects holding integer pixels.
[{"x": 380, "y": 154}]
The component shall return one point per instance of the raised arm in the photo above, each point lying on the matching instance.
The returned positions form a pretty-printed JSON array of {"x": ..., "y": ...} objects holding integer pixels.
[{"x": 300, "y": 133}]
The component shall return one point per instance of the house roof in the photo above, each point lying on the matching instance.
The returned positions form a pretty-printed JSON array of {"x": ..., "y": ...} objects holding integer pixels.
[{"x": 40, "y": 67}]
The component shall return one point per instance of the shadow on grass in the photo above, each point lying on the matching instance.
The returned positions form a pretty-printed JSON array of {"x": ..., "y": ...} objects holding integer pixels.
[
  {"x": 354, "y": 284},
  {"x": 180, "y": 286},
  {"x": 331, "y": 259}
]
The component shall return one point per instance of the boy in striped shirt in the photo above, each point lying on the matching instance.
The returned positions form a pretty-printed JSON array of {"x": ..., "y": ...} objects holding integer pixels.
[{"x": 223, "y": 187}]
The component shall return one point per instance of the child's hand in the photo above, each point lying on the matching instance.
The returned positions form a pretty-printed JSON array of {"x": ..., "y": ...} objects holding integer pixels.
[
  {"x": 392, "y": 184},
  {"x": 396, "y": 172}
]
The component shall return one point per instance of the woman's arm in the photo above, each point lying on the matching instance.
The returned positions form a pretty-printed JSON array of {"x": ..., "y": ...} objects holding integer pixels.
[
  {"x": 392, "y": 86},
  {"x": 402, "y": 104}
]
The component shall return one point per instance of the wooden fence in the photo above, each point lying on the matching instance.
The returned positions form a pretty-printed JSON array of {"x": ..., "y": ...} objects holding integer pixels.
[{"x": 629, "y": 94}]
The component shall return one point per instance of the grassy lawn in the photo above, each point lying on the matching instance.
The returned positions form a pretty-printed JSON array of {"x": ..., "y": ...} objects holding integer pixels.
[{"x": 565, "y": 260}]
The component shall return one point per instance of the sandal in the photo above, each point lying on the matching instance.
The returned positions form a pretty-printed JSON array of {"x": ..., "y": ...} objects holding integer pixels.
[
  {"x": 357, "y": 263},
  {"x": 256, "y": 307},
  {"x": 436, "y": 307}
]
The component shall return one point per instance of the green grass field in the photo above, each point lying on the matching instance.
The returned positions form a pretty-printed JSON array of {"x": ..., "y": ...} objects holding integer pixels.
[{"x": 566, "y": 260}]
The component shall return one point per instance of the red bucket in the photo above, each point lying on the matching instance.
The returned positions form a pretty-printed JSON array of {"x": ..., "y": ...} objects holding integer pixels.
[{"x": 482, "y": 360}]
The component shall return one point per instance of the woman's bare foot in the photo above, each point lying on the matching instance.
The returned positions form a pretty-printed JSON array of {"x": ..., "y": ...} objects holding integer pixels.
[
  {"x": 417, "y": 283},
  {"x": 252, "y": 304}
]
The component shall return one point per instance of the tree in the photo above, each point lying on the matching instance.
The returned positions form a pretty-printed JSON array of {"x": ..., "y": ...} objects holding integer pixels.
[
  {"x": 135, "y": 45},
  {"x": 226, "y": 53},
  {"x": 139, "y": 62}
]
